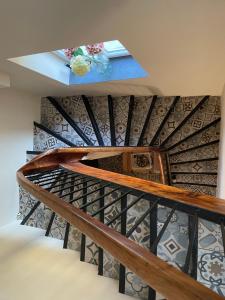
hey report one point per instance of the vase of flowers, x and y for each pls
(82, 60)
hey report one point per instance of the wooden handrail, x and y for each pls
(164, 278)
(71, 158)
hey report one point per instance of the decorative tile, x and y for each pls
(207, 113)
(40, 216)
(141, 108)
(211, 270)
(181, 110)
(209, 151)
(196, 178)
(161, 108)
(208, 135)
(100, 109)
(174, 242)
(44, 141)
(53, 120)
(210, 236)
(110, 265)
(75, 108)
(120, 108)
(135, 286)
(198, 167)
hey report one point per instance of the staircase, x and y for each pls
(170, 140)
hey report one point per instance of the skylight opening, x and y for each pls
(111, 49)
(100, 62)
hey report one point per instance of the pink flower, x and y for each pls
(69, 52)
(95, 48)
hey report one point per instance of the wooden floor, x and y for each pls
(35, 267)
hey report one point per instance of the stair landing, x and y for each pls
(36, 267)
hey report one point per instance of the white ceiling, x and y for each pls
(181, 43)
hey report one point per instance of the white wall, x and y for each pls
(17, 113)
(221, 164)
(181, 43)
(47, 64)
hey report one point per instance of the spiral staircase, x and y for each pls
(171, 141)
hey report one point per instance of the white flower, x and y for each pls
(79, 65)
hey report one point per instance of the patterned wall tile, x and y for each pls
(141, 107)
(40, 216)
(120, 108)
(196, 178)
(135, 286)
(207, 113)
(174, 242)
(110, 265)
(211, 270)
(162, 106)
(210, 151)
(91, 249)
(100, 109)
(198, 167)
(53, 120)
(74, 239)
(210, 236)
(211, 256)
(181, 110)
(206, 136)
(58, 228)
(44, 141)
(141, 235)
(75, 108)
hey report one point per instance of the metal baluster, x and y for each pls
(30, 213)
(153, 236)
(66, 236)
(141, 219)
(89, 193)
(99, 198)
(53, 214)
(75, 191)
(101, 218)
(157, 240)
(129, 120)
(68, 176)
(111, 203)
(37, 204)
(50, 224)
(123, 229)
(83, 237)
(194, 255)
(68, 187)
(192, 252)
(223, 234)
(36, 176)
(125, 209)
(49, 177)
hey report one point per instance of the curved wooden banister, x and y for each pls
(164, 278)
(70, 158)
